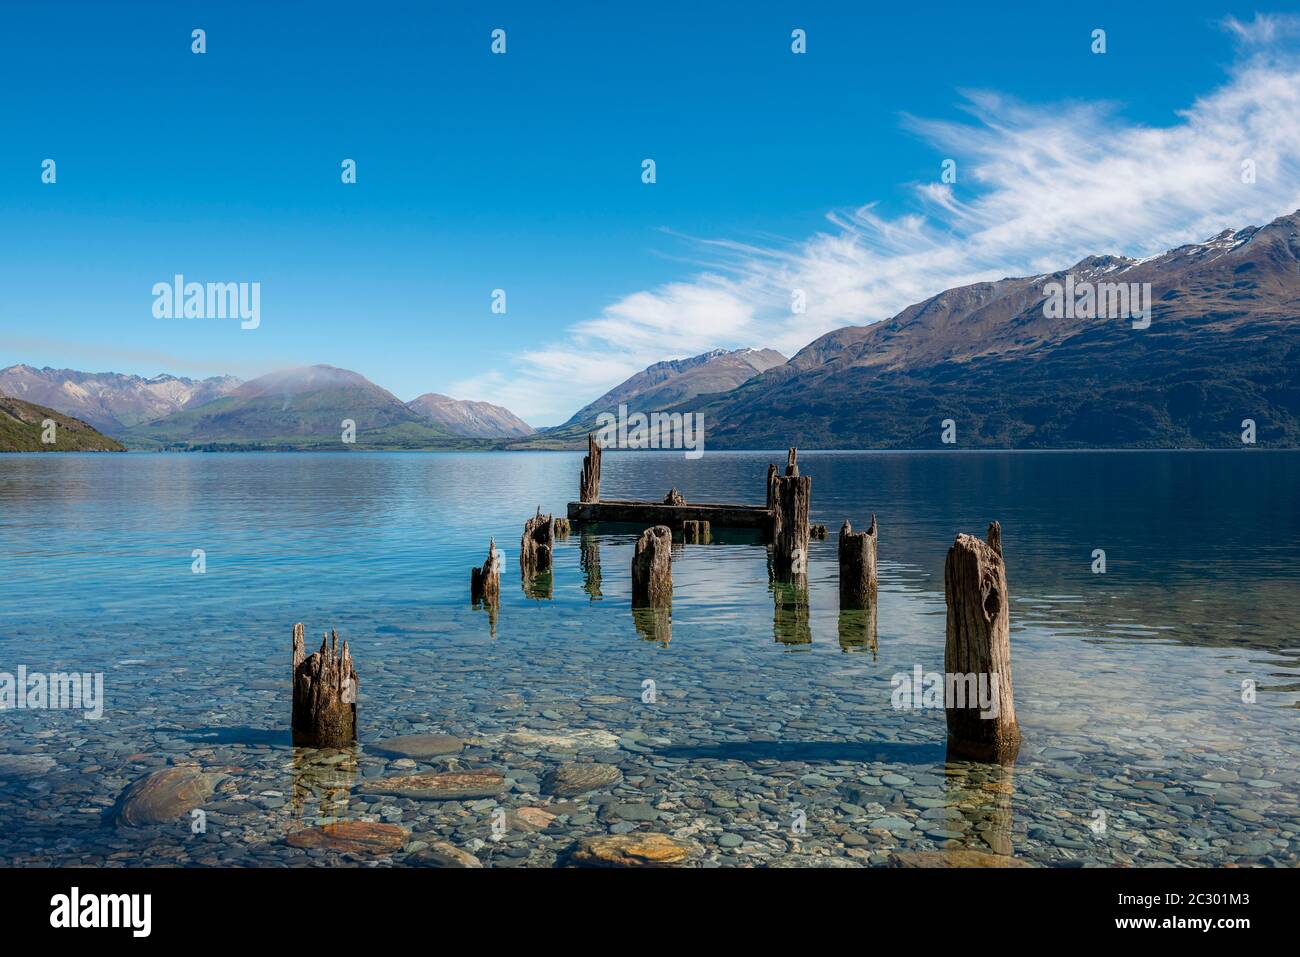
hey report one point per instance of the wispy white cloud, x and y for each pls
(1265, 29)
(1038, 188)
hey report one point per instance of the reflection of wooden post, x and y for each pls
(977, 653)
(981, 795)
(858, 629)
(696, 532)
(654, 624)
(791, 494)
(589, 559)
(857, 566)
(322, 780)
(538, 543)
(589, 486)
(485, 582)
(324, 693)
(652, 569)
(790, 621)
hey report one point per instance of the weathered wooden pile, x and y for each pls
(324, 693)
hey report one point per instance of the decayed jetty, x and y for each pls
(977, 646)
(673, 512)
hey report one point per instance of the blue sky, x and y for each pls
(522, 172)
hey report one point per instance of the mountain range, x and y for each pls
(1222, 346)
(109, 401)
(292, 408)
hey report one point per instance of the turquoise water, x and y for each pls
(1128, 684)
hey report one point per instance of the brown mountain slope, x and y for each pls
(1223, 345)
(22, 426)
(473, 419)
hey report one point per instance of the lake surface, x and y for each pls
(771, 738)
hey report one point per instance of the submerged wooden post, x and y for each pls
(771, 485)
(537, 544)
(977, 653)
(652, 569)
(324, 693)
(791, 494)
(857, 566)
(485, 582)
(589, 485)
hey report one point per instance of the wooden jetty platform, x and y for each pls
(593, 509)
(655, 513)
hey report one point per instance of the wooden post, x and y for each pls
(652, 569)
(324, 694)
(977, 653)
(562, 528)
(858, 566)
(537, 544)
(995, 537)
(674, 497)
(589, 485)
(791, 494)
(771, 485)
(791, 463)
(485, 582)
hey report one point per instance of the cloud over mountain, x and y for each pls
(1038, 184)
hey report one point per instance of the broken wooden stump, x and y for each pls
(792, 462)
(485, 585)
(562, 528)
(817, 532)
(858, 566)
(791, 494)
(674, 497)
(977, 654)
(696, 532)
(324, 694)
(771, 485)
(537, 544)
(485, 582)
(652, 569)
(589, 484)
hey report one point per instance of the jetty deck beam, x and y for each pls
(654, 513)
